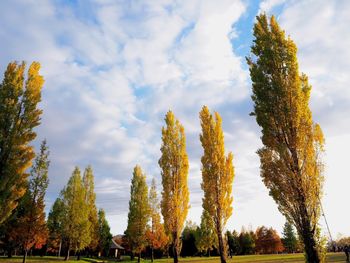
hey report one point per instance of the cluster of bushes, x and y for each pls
(246, 242)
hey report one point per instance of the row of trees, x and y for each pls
(194, 243)
(74, 221)
(144, 223)
(262, 241)
(217, 174)
(291, 158)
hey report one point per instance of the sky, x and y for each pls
(113, 69)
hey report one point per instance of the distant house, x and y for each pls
(115, 249)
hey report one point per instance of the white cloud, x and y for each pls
(113, 69)
(268, 5)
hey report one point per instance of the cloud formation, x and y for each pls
(114, 68)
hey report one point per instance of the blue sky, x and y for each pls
(114, 68)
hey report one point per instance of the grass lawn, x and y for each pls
(296, 258)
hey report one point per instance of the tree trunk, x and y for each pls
(139, 257)
(308, 236)
(312, 255)
(78, 255)
(9, 252)
(25, 256)
(67, 254)
(152, 254)
(176, 258)
(221, 245)
(176, 247)
(59, 249)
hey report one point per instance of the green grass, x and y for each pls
(295, 258)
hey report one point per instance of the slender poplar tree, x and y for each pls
(174, 169)
(139, 211)
(217, 175)
(291, 164)
(20, 94)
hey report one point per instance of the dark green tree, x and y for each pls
(246, 242)
(188, 239)
(55, 226)
(104, 233)
(289, 238)
(233, 242)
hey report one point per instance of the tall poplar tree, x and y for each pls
(217, 175)
(20, 94)
(156, 235)
(88, 180)
(76, 224)
(174, 169)
(138, 216)
(291, 165)
(32, 229)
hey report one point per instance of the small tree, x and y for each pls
(19, 115)
(55, 226)
(246, 242)
(267, 241)
(233, 242)
(104, 233)
(139, 212)
(206, 235)
(289, 238)
(188, 238)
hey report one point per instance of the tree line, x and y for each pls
(291, 162)
(217, 174)
(261, 241)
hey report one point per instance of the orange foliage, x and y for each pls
(267, 241)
